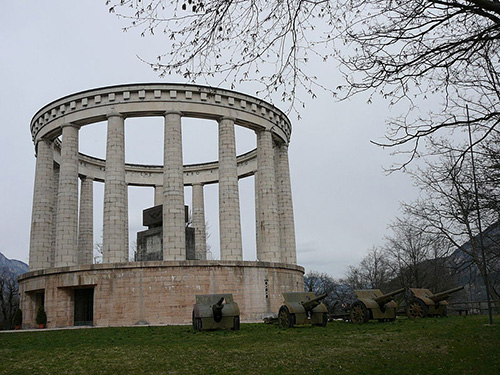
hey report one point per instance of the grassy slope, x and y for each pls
(454, 345)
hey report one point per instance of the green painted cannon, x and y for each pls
(424, 303)
(302, 308)
(215, 311)
(372, 304)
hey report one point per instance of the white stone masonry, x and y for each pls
(174, 237)
(43, 205)
(267, 218)
(86, 222)
(158, 195)
(67, 200)
(229, 203)
(199, 222)
(55, 192)
(285, 206)
(62, 224)
(115, 222)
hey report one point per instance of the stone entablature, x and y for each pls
(157, 292)
(152, 175)
(154, 99)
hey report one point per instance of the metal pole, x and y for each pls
(481, 245)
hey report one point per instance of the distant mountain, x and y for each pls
(467, 271)
(12, 266)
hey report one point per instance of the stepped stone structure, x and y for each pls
(62, 276)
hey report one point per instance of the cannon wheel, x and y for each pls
(236, 323)
(416, 309)
(285, 319)
(324, 320)
(359, 313)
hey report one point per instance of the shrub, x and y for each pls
(17, 319)
(41, 316)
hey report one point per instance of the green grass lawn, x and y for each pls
(454, 345)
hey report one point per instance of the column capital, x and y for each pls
(70, 124)
(263, 130)
(44, 139)
(84, 177)
(282, 145)
(47, 141)
(172, 113)
(114, 114)
(227, 118)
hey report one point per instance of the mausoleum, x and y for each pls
(123, 291)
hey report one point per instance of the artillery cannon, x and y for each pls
(302, 308)
(210, 312)
(372, 304)
(424, 303)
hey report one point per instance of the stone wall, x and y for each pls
(157, 292)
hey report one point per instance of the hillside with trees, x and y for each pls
(10, 269)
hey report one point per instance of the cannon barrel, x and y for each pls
(218, 305)
(217, 310)
(444, 295)
(382, 300)
(312, 303)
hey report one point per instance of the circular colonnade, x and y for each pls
(62, 276)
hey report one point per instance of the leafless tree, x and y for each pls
(339, 293)
(9, 298)
(416, 255)
(450, 208)
(373, 272)
(98, 252)
(434, 50)
(411, 256)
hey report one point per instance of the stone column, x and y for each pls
(115, 223)
(86, 222)
(158, 199)
(257, 211)
(285, 206)
(229, 203)
(267, 217)
(55, 184)
(43, 206)
(200, 239)
(174, 237)
(66, 251)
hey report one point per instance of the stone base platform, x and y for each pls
(155, 292)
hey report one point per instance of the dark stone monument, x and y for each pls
(150, 241)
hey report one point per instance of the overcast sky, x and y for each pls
(343, 201)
